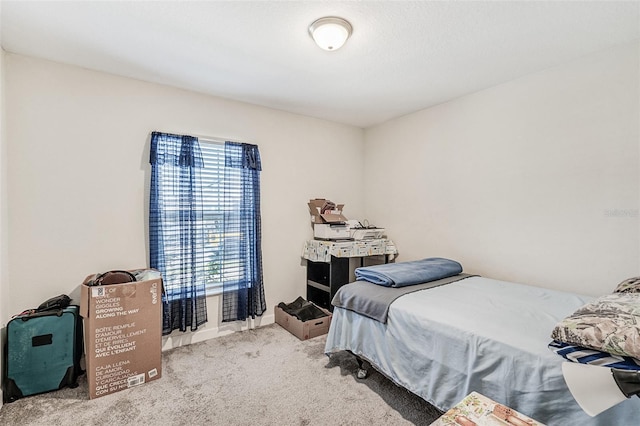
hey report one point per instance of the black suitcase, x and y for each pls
(42, 352)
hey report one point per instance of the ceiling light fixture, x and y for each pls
(330, 32)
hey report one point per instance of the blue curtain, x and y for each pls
(176, 233)
(243, 289)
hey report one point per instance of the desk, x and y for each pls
(329, 266)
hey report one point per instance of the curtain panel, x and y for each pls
(243, 288)
(176, 232)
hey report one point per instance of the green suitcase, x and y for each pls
(42, 352)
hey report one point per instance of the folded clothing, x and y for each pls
(582, 355)
(409, 273)
(302, 309)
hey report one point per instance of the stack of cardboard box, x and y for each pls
(122, 334)
(327, 220)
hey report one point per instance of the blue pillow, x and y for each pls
(402, 274)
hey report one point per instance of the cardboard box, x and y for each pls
(303, 330)
(325, 231)
(360, 248)
(477, 409)
(325, 211)
(376, 247)
(122, 334)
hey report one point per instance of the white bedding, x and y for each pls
(478, 335)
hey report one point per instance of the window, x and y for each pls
(217, 204)
(213, 268)
(204, 227)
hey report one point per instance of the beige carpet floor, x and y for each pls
(258, 377)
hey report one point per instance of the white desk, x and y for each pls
(321, 251)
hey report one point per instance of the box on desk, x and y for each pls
(122, 334)
(325, 211)
(303, 330)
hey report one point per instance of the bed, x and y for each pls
(473, 334)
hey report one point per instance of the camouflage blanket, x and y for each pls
(609, 324)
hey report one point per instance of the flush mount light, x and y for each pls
(330, 32)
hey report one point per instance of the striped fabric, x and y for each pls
(584, 355)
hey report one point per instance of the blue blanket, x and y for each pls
(409, 273)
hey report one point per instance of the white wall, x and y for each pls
(3, 208)
(533, 181)
(78, 176)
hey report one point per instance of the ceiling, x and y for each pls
(403, 56)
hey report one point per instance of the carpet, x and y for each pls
(264, 376)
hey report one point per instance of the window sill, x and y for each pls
(213, 290)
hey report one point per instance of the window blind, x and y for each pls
(219, 207)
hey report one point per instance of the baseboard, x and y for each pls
(177, 339)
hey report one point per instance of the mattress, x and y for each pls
(480, 335)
